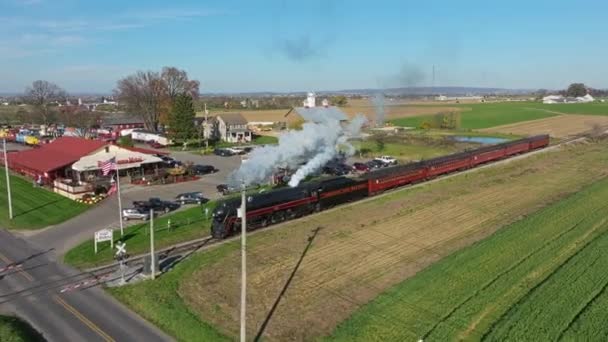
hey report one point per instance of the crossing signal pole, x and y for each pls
(243, 261)
(8, 183)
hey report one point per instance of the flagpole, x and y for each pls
(119, 201)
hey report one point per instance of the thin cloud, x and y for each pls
(120, 22)
(173, 14)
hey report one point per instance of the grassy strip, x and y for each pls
(15, 330)
(465, 295)
(159, 301)
(185, 225)
(33, 207)
(594, 108)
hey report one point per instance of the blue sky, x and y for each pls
(267, 45)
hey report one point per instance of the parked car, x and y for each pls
(191, 198)
(224, 152)
(387, 160)
(203, 169)
(225, 189)
(156, 144)
(337, 169)
(361, 167)
(376, 164)
(135, 214)
(157, 204)
(170, 162)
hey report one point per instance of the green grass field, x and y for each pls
(595, 108)
(34, 208)
(186, 225)
(404, 151)
(539, 279)
(484, 115)
(15, 330)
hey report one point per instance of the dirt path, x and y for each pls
(363, 249)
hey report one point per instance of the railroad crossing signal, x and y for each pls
(121, 249)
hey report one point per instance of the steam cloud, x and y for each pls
(314, 145)
(378, 102)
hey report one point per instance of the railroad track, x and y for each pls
(187, 248)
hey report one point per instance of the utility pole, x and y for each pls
(8, 183)
(122, 232)
(243, 260)
(207, 131)
(152, 264)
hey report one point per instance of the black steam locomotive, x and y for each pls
(285, 204)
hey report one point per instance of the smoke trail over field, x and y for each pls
(313, 146)
(378, 102)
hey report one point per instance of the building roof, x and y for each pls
(233, 118)
(52, 156)
(121, 120)
(145, 150)
(321, 114)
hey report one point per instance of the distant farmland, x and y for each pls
(486, 115)
(540, 279)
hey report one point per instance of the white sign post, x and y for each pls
(104, 235)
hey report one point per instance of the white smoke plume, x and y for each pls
(313, 146)
(378, 102)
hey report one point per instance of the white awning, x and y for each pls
(125, 159)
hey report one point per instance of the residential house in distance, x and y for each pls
(561, 99)
(231, 127)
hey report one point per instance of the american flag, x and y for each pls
(108, 166)
(112, 189)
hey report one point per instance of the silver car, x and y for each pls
(135, 214)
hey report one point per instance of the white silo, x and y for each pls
(310, 100)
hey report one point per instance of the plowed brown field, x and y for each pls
(363, 249)
(356, 107)
(556, 126)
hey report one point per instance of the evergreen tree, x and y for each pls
(181, 118)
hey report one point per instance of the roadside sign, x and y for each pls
(104, 235)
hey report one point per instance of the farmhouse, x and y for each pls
(231, 127)
(72, 166)
(561, 99)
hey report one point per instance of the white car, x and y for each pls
(386, 160)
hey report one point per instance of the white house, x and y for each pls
(232, 127)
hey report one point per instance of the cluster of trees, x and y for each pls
(152, 95)
(444, 120)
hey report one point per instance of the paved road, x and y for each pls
(32, 291)
(81, 228)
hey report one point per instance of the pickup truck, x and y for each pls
(387, 160)
(157, 204)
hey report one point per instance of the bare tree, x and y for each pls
(41, 94)
(74, 116)
(178, 83)
(143, 94)
(151, 94)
